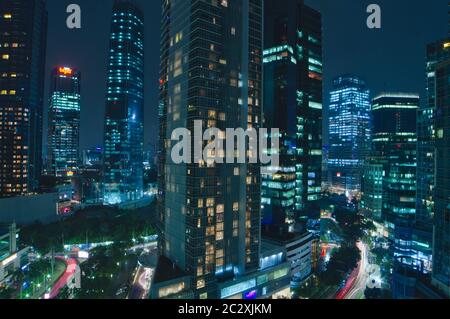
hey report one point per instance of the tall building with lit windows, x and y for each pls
(123, 136)
(426, 156)
(64, 122)
(23, 32)
(211, 72)
(349, 133)
(293, 103)
(372, 188)
(395, 141)
(441, 240)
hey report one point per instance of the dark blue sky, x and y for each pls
(392, 58)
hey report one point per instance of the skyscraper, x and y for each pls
(64, 122)
(395, 140)
(349, 133)
(23, 32)
(211, 71)
(123, 157)
(426, 137)
(441, 243)
(426, 159)
(293, 104)
(372, 188)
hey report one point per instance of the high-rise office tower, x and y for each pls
(23, 32)
(293, 104)
(211, 71)
(441, 243)
(395, 141)
(436, 53)
(64, 122)
(123, 149)
(349, 133)
(372, 188)
(426, 159)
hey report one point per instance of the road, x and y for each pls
(360, 284)
(356, 283)
(67, 276)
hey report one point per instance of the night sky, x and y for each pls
(389, 59)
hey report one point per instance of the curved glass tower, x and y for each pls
(123, 168)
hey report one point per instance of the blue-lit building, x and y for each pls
(372, 188)
(23, 38)
(349, 134)
(64, 122)
(123, 137)
(395, 141)
(293, 104)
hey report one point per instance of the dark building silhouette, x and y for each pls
(293, 80)
(441, 243)
(23, 32)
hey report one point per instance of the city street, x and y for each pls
(356, 283)
(62, 282)
(358, 288)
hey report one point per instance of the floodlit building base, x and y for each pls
(271, 280)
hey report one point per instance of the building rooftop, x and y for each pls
(166, 270)
(285, 238)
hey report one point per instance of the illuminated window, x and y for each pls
(5, 56)
(210, 202)
(201, 284)
(7, 16)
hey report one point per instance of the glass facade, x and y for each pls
(211, 71)
(23, 32)
(441, 253)
(395, 140)
(372, 189)
(349, 134)
(64, 122)
(123, 149)
(293, 103)
(426, 159)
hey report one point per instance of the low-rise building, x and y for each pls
(11, 257)
(272, 280)
(299, 247)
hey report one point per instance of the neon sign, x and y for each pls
(65, 70)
